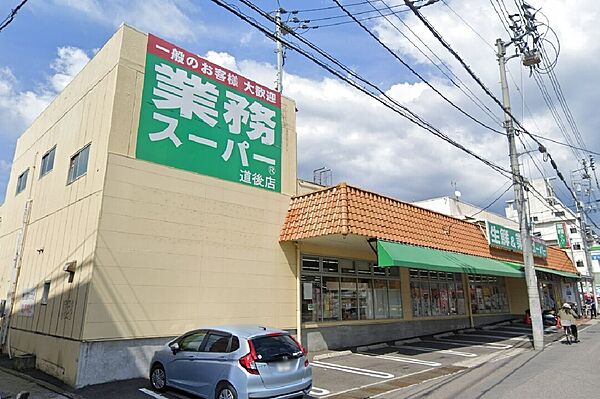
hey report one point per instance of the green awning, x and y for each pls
(519, 266)
(402, 255)
(558, 272)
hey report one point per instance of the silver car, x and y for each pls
(234, 362)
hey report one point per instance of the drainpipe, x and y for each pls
(298, 294)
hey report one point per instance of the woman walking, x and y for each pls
(567, 319)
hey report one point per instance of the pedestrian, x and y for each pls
(593, 307)
(567, 319)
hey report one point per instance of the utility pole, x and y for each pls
(526, 242)
(279, 51)
(581, 218)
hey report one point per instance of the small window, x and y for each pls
(573, 230)
(79, 164)
(47, 162)
(216, 343)
(576, 247)
(22, 181)
(580, 263)
(45, 293)
(535, 218)
(235, 344)
(558, 214)
(192, 342)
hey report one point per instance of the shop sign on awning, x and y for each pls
(503, 237)
(403, 255)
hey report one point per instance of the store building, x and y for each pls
(440, 273)
(158, 193)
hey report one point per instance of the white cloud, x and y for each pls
(18, 108)
(70, 61)
(167, 18)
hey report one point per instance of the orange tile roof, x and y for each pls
(345, 209)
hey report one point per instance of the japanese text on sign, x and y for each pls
(207, 119)
(503, 237)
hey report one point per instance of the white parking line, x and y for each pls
(353, 370)
(501, 337)
(319, 391)
(152, 393)
(402, 359)
(506, 332)
(479, 344)
(377, 383)
(445, 351)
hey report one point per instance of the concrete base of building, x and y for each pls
(105, 361)
(353, 335)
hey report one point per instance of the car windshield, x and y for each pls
(276, 347)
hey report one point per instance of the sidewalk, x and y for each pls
(12, 384)
(559, 370)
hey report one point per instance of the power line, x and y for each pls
(485, 89)
(494, 201)
(483, 40)
(412, 70)
(12, 15)
(399, 109)
(471, 96)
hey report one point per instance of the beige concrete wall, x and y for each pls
(176, 249)
(64, 217)
(517, 295)
(51, 353)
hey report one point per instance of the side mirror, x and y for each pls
(174, 347)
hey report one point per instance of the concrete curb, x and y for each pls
(407, 341)
(330, 355)
(466, 330)
(372, 347)
(43, 384)
(436, 336)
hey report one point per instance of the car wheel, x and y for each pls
(225, 391)
(158, 378)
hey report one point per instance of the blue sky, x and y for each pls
(364, 144)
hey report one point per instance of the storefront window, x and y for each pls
(436, 293)
(311, 298)
(380, 298)
(344, 289)
(331, 298)
(330, 266)
(488, 294)
(395, 298)
(349, 299)
(365, 299)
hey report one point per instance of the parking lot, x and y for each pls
(379, 370)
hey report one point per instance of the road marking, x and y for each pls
(501, 337)
(445, 351)
(319, 391)
(377, 383)
(402, 359)
(353, 370)
(152, 393)
(489, 345)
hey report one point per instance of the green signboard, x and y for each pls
(204, 118)
(503, 237)
(561, 235)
